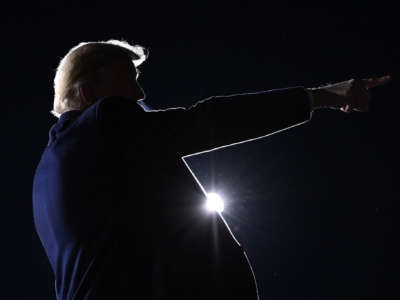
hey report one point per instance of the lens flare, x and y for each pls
(214, 203)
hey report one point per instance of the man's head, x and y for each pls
(94, 70)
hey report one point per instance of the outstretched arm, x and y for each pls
(225, 120)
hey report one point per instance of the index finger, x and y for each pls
(373, 82)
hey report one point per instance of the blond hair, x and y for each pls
(82, 64)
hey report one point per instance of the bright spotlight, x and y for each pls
(214, 202)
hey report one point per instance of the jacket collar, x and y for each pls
(61, 123)
(72, 114)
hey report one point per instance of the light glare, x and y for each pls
(214, 202)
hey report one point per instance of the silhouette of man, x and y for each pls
(117, 211)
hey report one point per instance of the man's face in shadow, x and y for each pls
(117, 79)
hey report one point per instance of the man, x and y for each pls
(115, 207)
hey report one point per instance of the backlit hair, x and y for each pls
(82, 64)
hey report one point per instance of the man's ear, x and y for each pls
(86, 95)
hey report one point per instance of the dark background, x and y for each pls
(313, 205)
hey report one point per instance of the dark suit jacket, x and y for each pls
(120, 215)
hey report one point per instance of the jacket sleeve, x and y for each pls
(213, 122)
(225, 120)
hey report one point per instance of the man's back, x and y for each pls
(119, 222)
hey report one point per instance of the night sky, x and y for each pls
(315, 205)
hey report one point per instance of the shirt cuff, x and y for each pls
(311, 98)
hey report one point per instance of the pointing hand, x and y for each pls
(348, 96)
